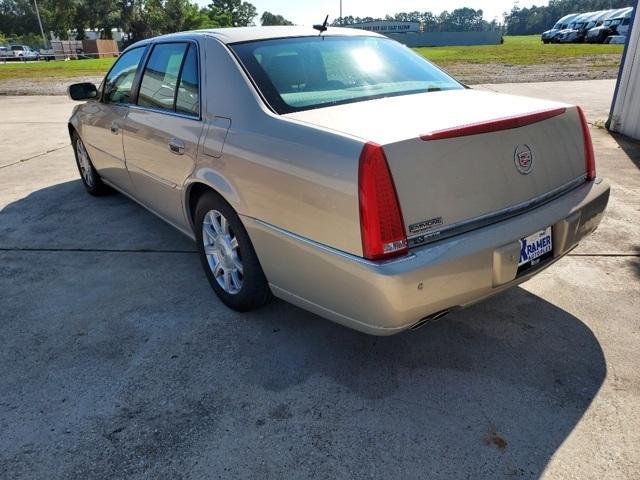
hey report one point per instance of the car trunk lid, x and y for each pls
(462, 159)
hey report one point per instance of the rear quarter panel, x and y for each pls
(285, 173)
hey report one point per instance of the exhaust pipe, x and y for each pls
(430, 319)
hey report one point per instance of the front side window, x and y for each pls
(119, 80)
(160, 77)
(311, 72)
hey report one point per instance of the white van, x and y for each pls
(580, 27)
(608, 28)
(625, 25)
(561, 24)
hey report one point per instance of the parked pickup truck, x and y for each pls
(24, 53)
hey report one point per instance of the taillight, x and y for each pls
(381, 223)
(590, 157)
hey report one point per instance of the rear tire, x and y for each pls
(227, 255)
(92, 182)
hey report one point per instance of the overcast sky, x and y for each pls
(308, 12)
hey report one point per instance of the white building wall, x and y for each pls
(625, 115)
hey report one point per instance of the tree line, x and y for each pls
(528, 21)
(459, 20)
(138, 19)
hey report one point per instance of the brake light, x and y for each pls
(381, 223)
(491, 126)
(590, 157)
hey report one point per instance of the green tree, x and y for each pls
(269, 18)
(17, 17)
(242, 13)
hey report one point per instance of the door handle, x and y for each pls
(176, 146)
(115, 128)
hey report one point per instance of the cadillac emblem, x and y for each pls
(523, 159)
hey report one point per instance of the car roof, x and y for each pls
(566, 18)
(249, 34)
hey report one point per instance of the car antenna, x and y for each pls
(322, 28)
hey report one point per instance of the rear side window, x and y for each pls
(187, 100)
(119, 80)
(160, 77)
(170, 79)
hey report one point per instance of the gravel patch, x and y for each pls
(42, 86)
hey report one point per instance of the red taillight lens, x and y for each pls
(383, 234)
(590, 159)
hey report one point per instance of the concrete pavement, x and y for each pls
(116, 360)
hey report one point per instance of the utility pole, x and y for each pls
(340, 12)
(44, 38)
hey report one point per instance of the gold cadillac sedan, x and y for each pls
(338, 170)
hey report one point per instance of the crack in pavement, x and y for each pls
(603, 255)
(92, 250)
(149, 250)
(32, 123)
(34, 156)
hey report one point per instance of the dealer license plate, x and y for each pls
(535, 248)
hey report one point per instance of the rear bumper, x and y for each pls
(383, 298)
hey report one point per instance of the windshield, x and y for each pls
(303, 73)
(578, 26)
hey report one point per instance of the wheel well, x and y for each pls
(71, 130)
(195, 192)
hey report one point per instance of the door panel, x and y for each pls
(102, 120)
(162, 131)
(159, 171)
(102, 134)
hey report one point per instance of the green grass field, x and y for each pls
(525, 50)
(57, 69)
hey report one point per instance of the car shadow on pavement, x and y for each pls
(489, 391)
(124, 364)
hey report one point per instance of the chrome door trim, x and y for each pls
(166, 112)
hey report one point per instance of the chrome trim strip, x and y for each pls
(334, 251)
(166, 112)
(137, 169)
(494, 217)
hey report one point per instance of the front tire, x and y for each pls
(88, 174)
(227, 255)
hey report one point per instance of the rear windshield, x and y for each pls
(296, 74)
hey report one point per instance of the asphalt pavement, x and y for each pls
(117, 361)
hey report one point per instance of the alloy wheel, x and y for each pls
(86, 170)
(222, 252)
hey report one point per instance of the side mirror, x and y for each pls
(82, 91)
